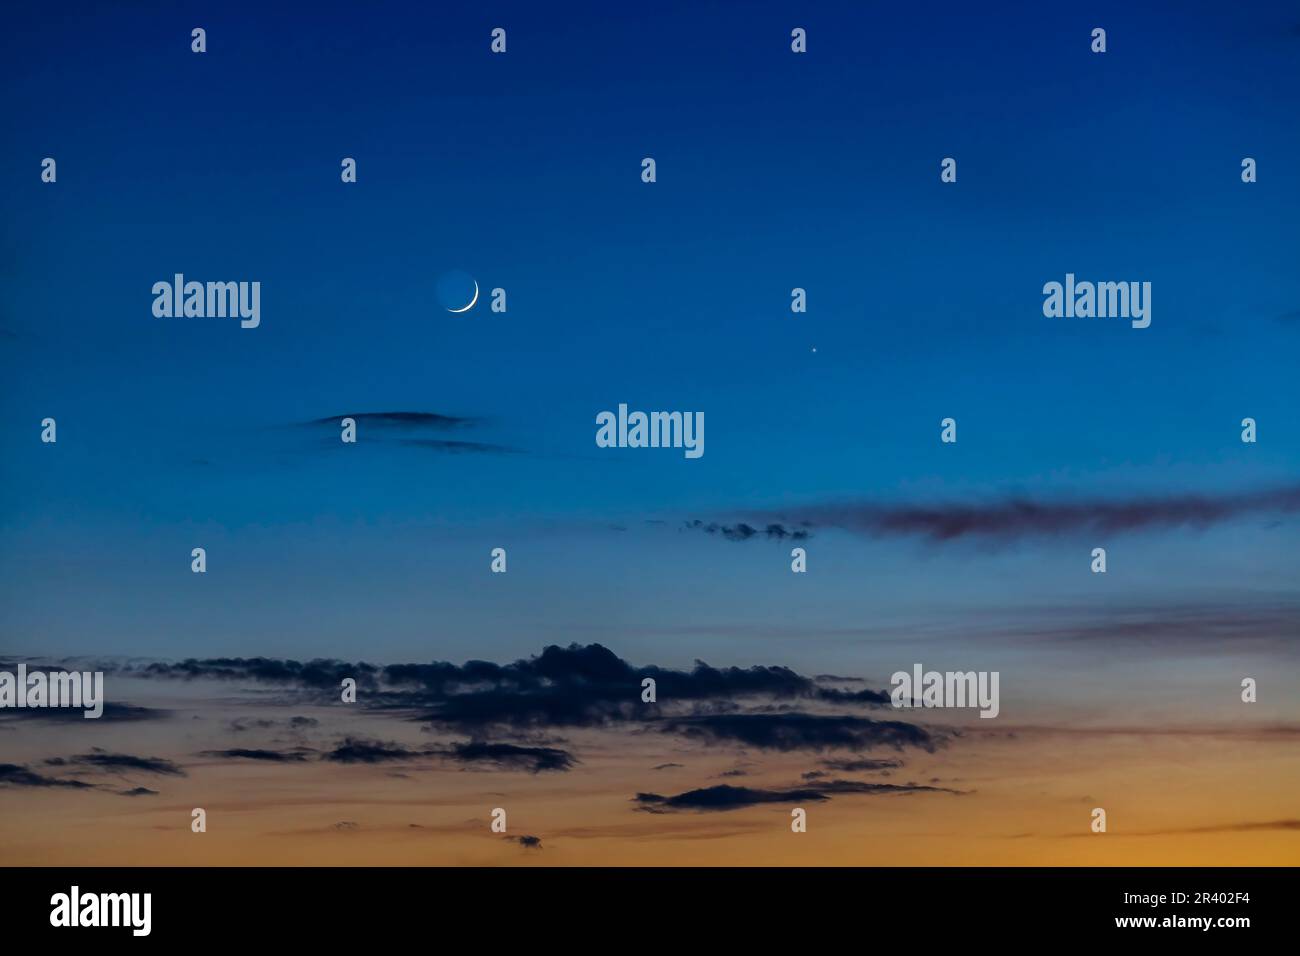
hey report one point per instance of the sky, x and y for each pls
(774, 170)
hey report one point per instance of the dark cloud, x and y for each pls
(725, 797)
(357, 750)
(102, 760)
(859, 786)
(1246, 826)
(1277, 733)
(802, 731)
(539, 687)
(853, 696)
(1019, 517)
(139, 792)
(857, 765)
(1259, 826)
(317, 674)
(591, 686)
(113, 713)
(270, 756)
(667, 766)
(13, 775)
(575, 686)
(406, 420)
(1195, 626)
(528, 842)
(411, 430)
(241, 724)
(743, 532)
(511, 757)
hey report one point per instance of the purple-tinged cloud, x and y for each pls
(1019, 517)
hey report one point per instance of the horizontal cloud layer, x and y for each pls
(507, 712)
(573, 686)
(402, 420)
(725, 797)
(801, 731)
(1017, 517)
(102, 760)
(14, 775)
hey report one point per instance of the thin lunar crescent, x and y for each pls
(471, 301)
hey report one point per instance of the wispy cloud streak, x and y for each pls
(1018, 517)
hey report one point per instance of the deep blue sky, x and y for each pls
(774, 171)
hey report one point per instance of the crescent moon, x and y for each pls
(471, 301)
